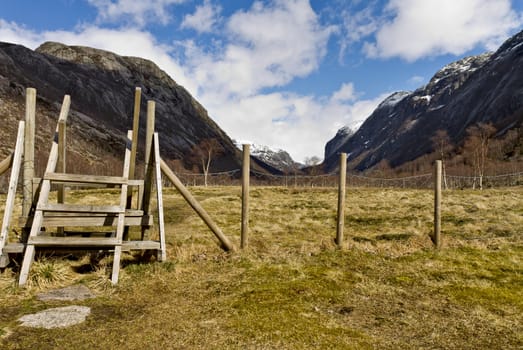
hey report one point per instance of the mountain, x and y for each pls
(487, 88)
(276, 158)
(102, 85)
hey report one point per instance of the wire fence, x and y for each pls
(233, 178)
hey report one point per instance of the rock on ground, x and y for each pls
(57, 317)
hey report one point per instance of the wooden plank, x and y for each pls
(17, 248)
(121, 217)
(6, 164)
(49, 241)
(91, 220)
(141, 245)
(159, 193)
(89, 179)
(225, 242)
(74, 208)
(11, 194)
(29, 150)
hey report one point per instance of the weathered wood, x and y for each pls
(121, 217)
(341, 199)
(136, 126)
(77, 208)
(246, 173)
(88, 179)
(17, 248)
(50, 241)
(6, 164)
(148, 176)
(88, 220)
(29, 150)
(11, 194)
(61, 164)
(159, 196)
(436, 238)
(226, 244)
(42, 200)
(141, 245)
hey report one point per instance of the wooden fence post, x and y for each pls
(136, 125)
(29, 150)
(437, 205)
(341, 199)
(245, 195)
(61, 165)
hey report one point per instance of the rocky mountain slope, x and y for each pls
(487, 88)
(101, 85)
(276, 158)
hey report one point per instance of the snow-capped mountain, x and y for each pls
(485, 88)
(276, 158)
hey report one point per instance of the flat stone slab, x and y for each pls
(77, 292)
(56, 317)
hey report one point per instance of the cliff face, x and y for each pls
(101, 85)
(486, 88)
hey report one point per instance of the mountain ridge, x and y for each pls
(485, 88)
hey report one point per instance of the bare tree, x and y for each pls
(204, 152)
(477, 148)
(442, 146)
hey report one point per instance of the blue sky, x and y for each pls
(283, 73)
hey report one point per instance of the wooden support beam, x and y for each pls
(162, 256)
(136, 126)
(225, 242)
(61, 164)
(90, 179)
(11, 194)
(29, 150)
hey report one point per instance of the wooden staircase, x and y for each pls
(63, 215)
(49, 225)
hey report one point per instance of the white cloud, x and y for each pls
(434, 27)
(134, 12)
(345, 93)
(11, 32)
(266, 46)
(299, 124)
(204, 18)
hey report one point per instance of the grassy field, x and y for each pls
(292, 288)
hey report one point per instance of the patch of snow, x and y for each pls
(394, 99)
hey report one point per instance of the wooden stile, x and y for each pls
(162, 256)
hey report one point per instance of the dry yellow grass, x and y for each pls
(292, 288)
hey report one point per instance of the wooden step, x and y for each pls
(49, 241)
(74, 208)
(87, 179)
(57, 219)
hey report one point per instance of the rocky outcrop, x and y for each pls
(486, 88)
(101, 85)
